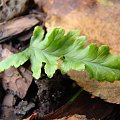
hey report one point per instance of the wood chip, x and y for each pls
(17, 26)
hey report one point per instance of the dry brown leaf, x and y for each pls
(8, 100)
(105, 90)
(97, 19)
(16, 80)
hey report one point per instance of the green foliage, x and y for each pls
(70, 48)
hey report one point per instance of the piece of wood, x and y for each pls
(12, 8)
(98, 20)
(17, 26)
